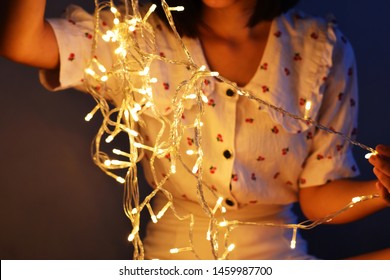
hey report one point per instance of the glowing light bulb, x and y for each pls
(174, 251)
(106, 38)
(293, 242)
(367, 156)
(104, 78)
(144, 72)
(133, 233)
(231, 247)
(107, 162)
(109, 139)
(89, 71)
(308, 106)
(218, 204)
(191, 96)
(137, 145)
(150, 11)
(133, 113)
(116, 21)
(208, 235)
(176, 9)
(165, 208)
(120, 180)
(132, 132)
(113, 10)
(195, 168)
(88, 117)
(102, 68)
(223, 224)
(307, 109)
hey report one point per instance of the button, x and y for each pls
(230, 92)
(227, 154)
(229, 202)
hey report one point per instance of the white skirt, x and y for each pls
(251, 242)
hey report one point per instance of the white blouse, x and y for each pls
(252, 153)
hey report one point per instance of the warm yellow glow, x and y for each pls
(293, 244)
(231, 247)
(109, 139)
(223, 224)
(120, 180)
(114, 10)
(164, 210)
(133, 233)
(308, 106)
(177, 9)
(174, 251)
(89, 71)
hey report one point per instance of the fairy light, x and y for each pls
(177, 9)
(180, 250)
(307, 109)
(90, 115)
(369, 155)
(127, 117)
(218, 204)
(163, 210)
(133, 234)
(293, 242)
(223, 224)
(120, 180)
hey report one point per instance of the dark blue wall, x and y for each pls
(56, 204)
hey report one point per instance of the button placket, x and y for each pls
(227, 154)
(230, 92)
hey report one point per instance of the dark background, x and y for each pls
(56, 204)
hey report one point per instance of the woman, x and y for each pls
(282, 56)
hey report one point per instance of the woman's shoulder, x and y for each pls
(299, 23)
(305, 29)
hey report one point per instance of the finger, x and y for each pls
(380, 163)
(383, 150)
(383, 192)
(383, 178)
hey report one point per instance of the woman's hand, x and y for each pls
(381, 163)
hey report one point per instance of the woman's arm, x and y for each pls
(25, 36)
(317, 202)
(320, 201)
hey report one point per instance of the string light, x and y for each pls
(135, 51)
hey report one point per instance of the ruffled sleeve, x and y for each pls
(331, 156)
(74, 33)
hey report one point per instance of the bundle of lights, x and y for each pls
(133, 40)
